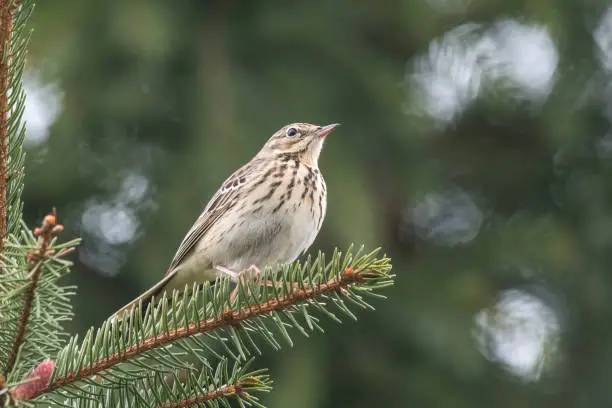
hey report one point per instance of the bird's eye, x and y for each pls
(291, 132)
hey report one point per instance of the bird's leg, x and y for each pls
(256, 273)
(252, 272)
(233, 274)
(236, 278)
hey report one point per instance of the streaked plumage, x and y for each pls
(268, 212)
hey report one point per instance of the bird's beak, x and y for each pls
(326, 130)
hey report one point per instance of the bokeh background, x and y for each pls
(476, 149)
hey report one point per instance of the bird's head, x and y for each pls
(301, 139)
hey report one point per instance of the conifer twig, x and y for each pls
(229, 390)
(7, 8)
(229, 318)
(46, 232)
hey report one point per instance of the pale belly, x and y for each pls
(268, 240)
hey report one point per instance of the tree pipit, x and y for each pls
(268, 212)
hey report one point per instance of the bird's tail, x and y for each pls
(126, 310)
(144, 300)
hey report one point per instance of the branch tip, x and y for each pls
(221, 392)
(46, 233)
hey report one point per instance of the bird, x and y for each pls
(268, 212)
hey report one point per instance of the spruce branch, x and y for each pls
(230, 390)
(239, 385)
(212, 387)
(227, 319)
(32, 305)
(14, 39)
(23, 319)
(7, 9)
(198, 323)
(46, 233)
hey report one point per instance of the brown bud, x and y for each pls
(349, 272)
(49, 220)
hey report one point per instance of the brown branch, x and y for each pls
(46, 233)
(24, 319)
(229, 318)
(7, 9)
(225, 391)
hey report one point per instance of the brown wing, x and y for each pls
(218, 205)
(216, 208)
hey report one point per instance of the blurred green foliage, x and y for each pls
(476, 148)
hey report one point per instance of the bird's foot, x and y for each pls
(255, 272)
(252, 272)
(240, 277)
(232, 274)
(236, 277)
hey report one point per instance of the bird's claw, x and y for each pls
(252, 272)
